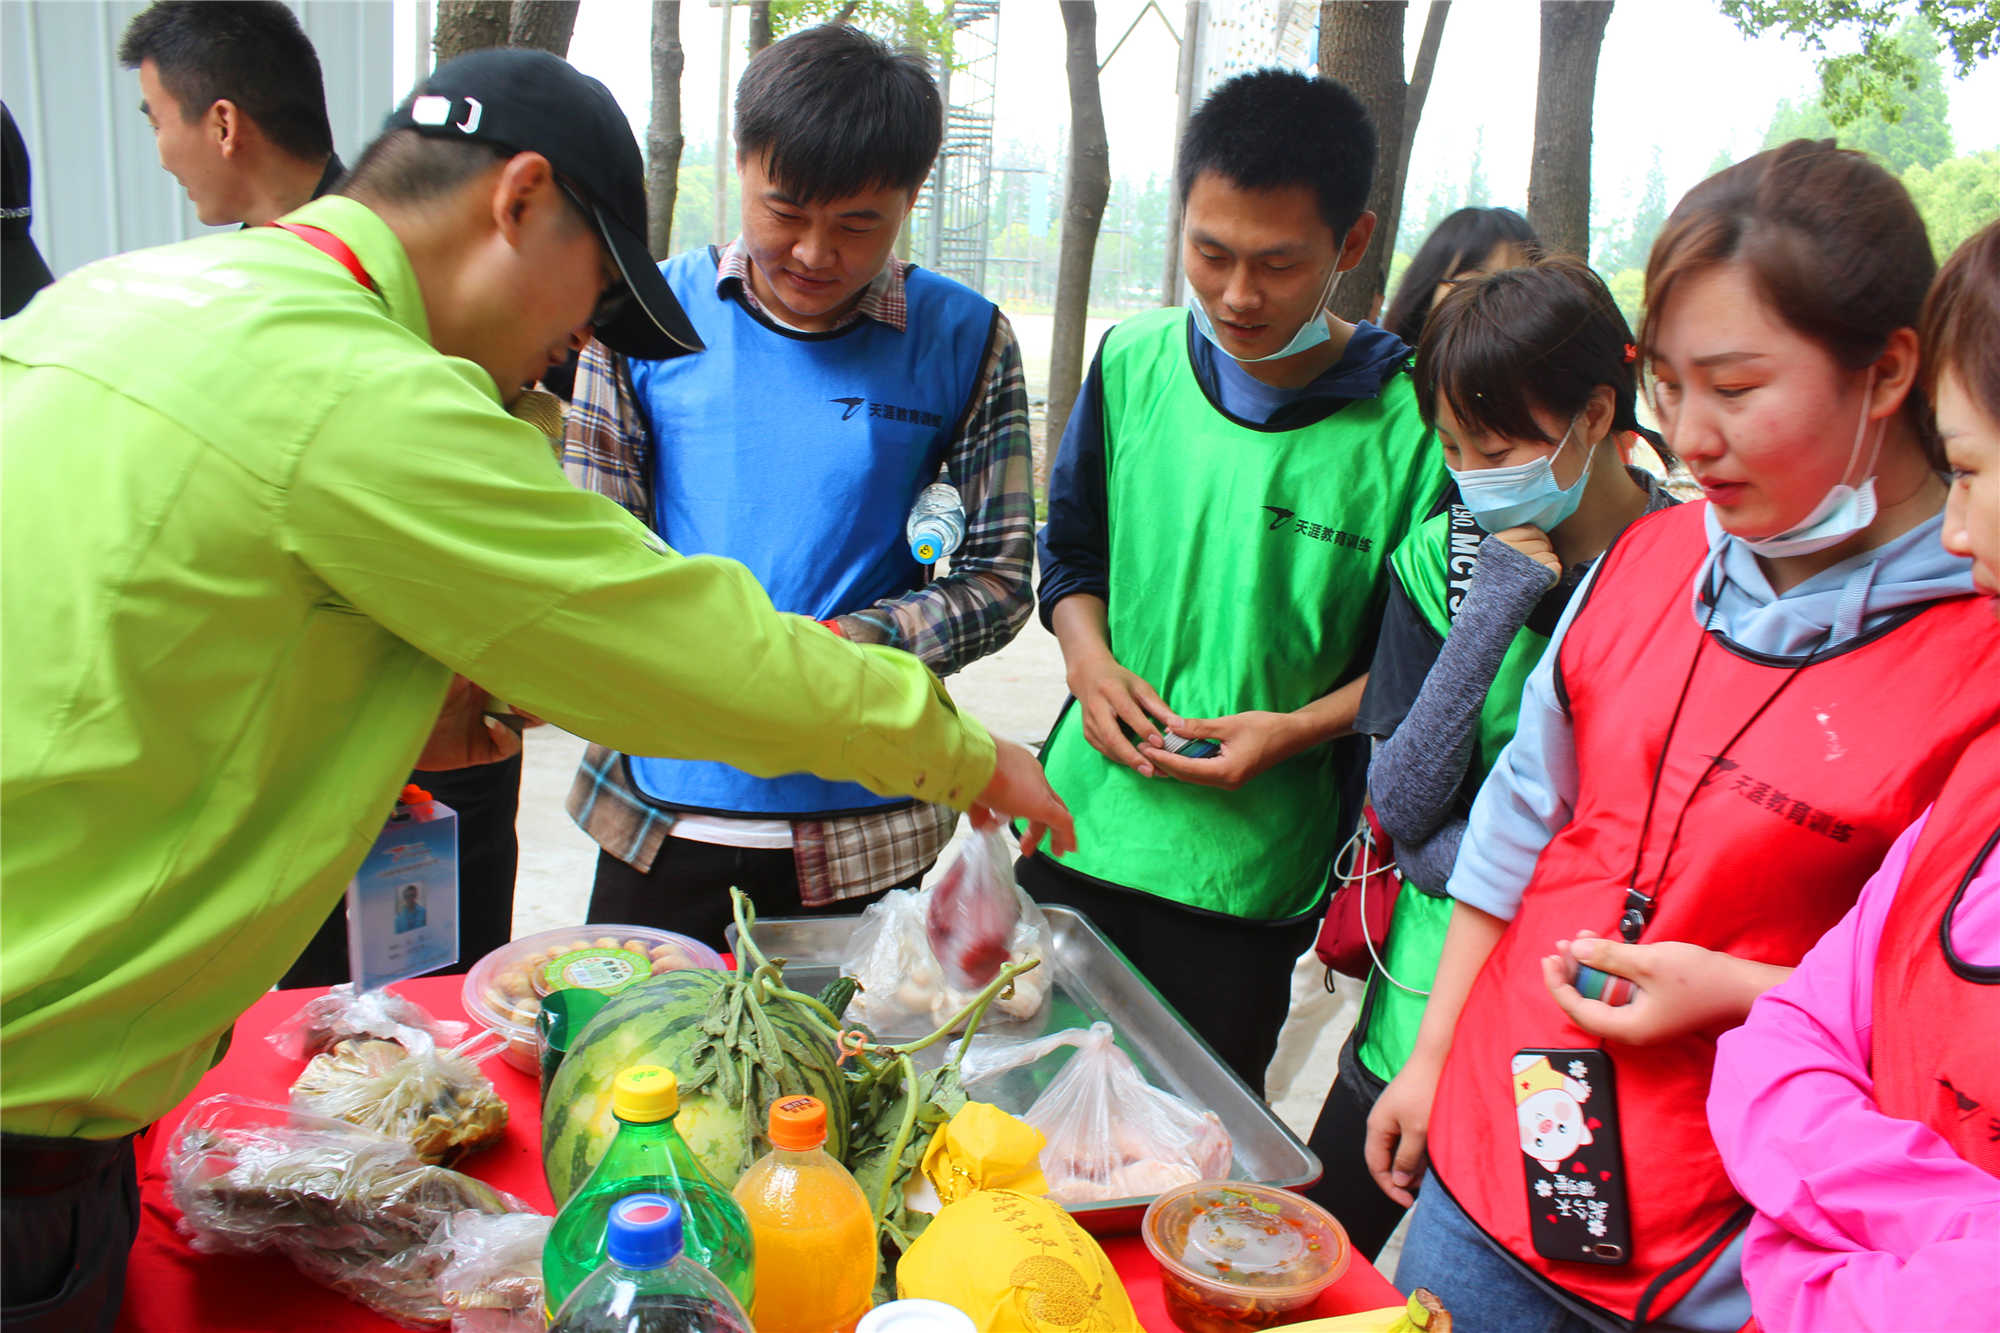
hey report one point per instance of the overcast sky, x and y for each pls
(1673, 73)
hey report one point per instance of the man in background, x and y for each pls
(232, 90)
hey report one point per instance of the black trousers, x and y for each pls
(1339, 1139)
(687, 890)
(69, 1212)
(486, 798)
(1230, 979)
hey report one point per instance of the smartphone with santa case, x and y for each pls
(1566, 1107)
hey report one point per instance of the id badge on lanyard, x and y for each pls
(402, 904)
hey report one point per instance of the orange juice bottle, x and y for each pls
(814, 1231)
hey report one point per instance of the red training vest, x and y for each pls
(1775, 847)
(1932, 1050)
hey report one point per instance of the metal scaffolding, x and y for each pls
(957, 199)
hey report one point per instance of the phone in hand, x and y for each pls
(1573, 1163)
(1191, 747)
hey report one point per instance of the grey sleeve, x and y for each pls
(1430, 860)
(1416, 773)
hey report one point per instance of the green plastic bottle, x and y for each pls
(648, 1156)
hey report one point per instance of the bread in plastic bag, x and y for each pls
(492, 1277)
(905, 991)
(340, 1014)
(351, 1209)
(436, 1101)
(1111, 1134)
(1012, 1261)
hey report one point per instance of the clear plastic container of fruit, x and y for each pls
(1234, 1255)
(504, 990)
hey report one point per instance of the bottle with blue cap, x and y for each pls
(647, 1285)
(937, 523)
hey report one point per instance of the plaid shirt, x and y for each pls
(958, 618)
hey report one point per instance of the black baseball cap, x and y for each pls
(530, 101)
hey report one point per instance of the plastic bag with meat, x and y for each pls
(972, 911)
(1111, 1134)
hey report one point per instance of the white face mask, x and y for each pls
(1310, 335)
(1842, 511)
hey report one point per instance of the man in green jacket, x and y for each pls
(264, 514)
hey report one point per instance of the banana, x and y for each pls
(1422, 1313)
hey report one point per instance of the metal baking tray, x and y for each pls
(1093, 981)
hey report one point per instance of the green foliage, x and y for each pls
(1625, 241)
(1628, 289)
(1886, 69)
(922, 26)
(1917, 134)
(1956, 198)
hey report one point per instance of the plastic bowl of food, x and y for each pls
(1234, 1255)
(504, 990)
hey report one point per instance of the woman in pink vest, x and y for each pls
(1746, 706)
(1859, 1106)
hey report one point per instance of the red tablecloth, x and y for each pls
(171, 1288)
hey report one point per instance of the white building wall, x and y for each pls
(98, 185)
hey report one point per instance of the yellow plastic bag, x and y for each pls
(1014, 1262)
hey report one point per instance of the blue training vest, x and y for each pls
(800, 454)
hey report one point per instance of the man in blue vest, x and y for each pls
(838, 382)
(1221, 513)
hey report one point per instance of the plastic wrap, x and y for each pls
(1111, 1134)
(492, 1276)
(436, 1101)
(349, 1208)
(904, 988)
(340, 1015)
(971, 912)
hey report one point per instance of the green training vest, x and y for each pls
(1434, 568)
(1248, 569)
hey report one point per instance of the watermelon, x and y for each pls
(683, 1020)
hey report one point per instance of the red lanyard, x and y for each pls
(328, 244)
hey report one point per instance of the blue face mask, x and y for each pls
(1310, 335)
(1524, 495)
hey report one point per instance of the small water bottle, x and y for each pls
(648, 1285)
(937, 523)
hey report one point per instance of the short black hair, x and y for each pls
(407, 167)
(1273, 128)
(839, 112)
(1460, 242)
(250, 52)
(1545, 335)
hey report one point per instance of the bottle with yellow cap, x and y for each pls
(648, 1156)
(815, 1232)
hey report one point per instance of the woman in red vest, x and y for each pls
(1859, 1106)
(1751, 700)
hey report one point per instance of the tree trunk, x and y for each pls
(1565, 88)
(1413, 104)
(760, 25)
(543, 24)
(469, 25)
(663, 131)
(1170, 280)
(1361, 46)
(1084, 196)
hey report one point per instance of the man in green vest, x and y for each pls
(260, 500)
(1221, 512)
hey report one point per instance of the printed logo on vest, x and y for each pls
(1784, 805)
(889, 412)
(1318, 532)
(1964, 1107)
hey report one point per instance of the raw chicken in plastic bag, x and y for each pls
(348, 1207)
(1111, 1134)
(340, 1014)
(972, 910)
(492, 1280)
(436, 1101)
(905, 989)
